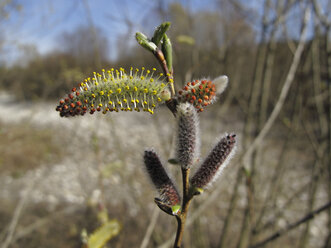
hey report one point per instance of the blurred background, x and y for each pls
(61, 179)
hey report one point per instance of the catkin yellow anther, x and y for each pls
(114, 91)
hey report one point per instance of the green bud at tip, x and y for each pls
(144, 42)
(167, 51)
(159, 32)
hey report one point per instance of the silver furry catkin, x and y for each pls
(160, 178)
(188, 135)
(215, 162)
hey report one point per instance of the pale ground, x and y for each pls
(74, 179)
(121, 139)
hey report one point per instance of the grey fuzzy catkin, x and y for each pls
(168, 192)
(187, 135)
(215, 162)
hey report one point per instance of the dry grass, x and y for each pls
(24, 147)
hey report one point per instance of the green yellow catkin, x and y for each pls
(115, 90)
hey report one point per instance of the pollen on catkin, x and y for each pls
(215, 162)
(200, 93)
(116, 90)
(187, 135)
(167, 190)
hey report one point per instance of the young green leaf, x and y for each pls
(167, 51)
(159, 32)
(145, 42)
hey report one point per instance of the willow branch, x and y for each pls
(181, 217)
(284, 92)
(323, 19)
(150, 228)
(291, 226)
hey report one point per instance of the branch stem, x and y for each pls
(160, 57)
(291, 226)
(181, 217)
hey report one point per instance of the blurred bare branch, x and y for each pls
(285, 89)
(322, 18)
(279, 65)
(17, 214)
(150, 227)
(291, 226)
(95, 37)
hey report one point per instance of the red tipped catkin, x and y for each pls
(192, 92)
(188, 135)
(215, 162)
(160, 178)
(205, 89)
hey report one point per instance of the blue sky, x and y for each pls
(40, 22)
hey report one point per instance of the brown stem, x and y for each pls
(172, 103)
(180, 231)
(181, 217)
(160, 57)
